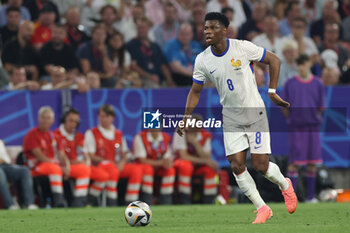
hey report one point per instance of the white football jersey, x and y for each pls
(233, 75)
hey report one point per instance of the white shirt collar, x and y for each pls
(67, 135)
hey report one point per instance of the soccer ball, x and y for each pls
(138, 213)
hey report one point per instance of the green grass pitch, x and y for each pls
(323, 217)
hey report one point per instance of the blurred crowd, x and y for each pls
(88, 44)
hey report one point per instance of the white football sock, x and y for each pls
(274, 175)
(248, 187)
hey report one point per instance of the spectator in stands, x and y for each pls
(77, 163)
(230, 13)
(4, 79)
(109, 15)
(329, 15)
(25, 15)
(57, 53)
(76, 36)
(343, 8)
(154, 10)
(309, 11)
(292, 11)
(93, 80)
(19, 52)
(169, 28)
(95, 56)
(39, 148)
(270, 39)
(36, 6)
(278, 9)
(305, 44)
(181, 53)
(63, 6)
(254, 26)
(127, 25)
(43, 27)
(289, 66)
(129, 79)
(18, 80)
(306, 96)
(147, 57)
(152, 150)
(330, 70)
(91, 10)
(194, 157)
(236, 5)
(58, 76)
(10, 30)
(198, 15)
(331, 41)
(120, 56)
(15, 173)
(330, 76)
(108, 151)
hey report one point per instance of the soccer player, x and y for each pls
(76, 165)
(107, 149)
(152, 149)
(40, 147)
(194, 157)
(305, 92)
(228, 64)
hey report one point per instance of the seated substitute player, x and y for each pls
(194, 157)
(40, 146)
(108, 150)
(152, 149)
(305, 93)
(76, 165)
(227, 63)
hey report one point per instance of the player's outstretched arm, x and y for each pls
(192, 101)
(274, 68)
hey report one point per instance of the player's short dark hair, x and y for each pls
(108, 109)
(302, 59)
(227, 9)
(219, 17)
(12, 9)
(290, 7)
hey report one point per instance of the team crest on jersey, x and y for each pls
(236, 63)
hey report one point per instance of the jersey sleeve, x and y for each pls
(199, 74)
(253, 52)
(89, 142)
(139, 148)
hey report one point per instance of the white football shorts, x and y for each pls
(256, 137)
